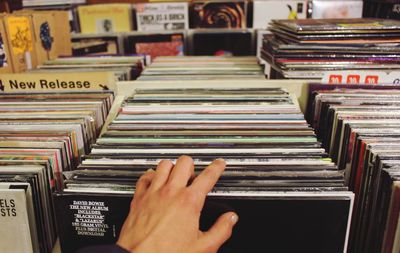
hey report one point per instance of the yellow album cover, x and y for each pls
(20, 34)
(103, 18)
(20, 40)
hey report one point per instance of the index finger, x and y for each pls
(206, 180)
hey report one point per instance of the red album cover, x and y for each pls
(154, 49)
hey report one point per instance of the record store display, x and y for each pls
(305, 49)
(288, 194)
(203, 68)
(94, 93)
(360, 128)
(42, 135)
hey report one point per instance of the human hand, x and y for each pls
(165, 212)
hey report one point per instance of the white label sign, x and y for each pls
(162, 16)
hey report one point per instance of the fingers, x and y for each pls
(206, 180)
(179, 175)
(182, 172)
(162, 174)
(144, 182)
(220, 231)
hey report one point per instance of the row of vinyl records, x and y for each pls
(360, 128)
(181, 15)
(127, 68)
(124, 68)
(240, 42)
(279, 179)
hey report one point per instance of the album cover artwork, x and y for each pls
(162, 16)
(156, 44)
(218, 15)
(315, 222)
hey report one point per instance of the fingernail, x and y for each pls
(150, 170)
(220, 160)
(234, 218)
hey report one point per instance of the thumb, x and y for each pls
(220, 231)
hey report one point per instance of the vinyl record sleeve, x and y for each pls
(340, 25)
(265, 11)
(218, 14)
(44, 207)
(156, 44)
(112, 211)
(392, 221)
(29, 209)
(15, 221)
(162, 16)
(327, 9)
(226, 43)
(95, 46)
(102, 18)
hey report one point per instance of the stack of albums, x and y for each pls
(305, 49)
(360, 128)
(42, 135)
(124, 67)
(203, 68)
(289, 196)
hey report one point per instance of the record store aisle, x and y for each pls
(278, 178)
(287, 190)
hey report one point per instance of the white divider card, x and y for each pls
(265, 11)
(80, 81)
(362, 77)
(337, 9)
(162, 16)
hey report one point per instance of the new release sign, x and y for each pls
(35, 82)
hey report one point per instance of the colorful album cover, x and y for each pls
(20, 33)
(156, 44)
(218, 15)
(104, 18)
